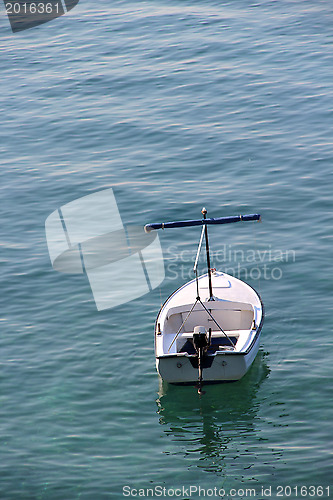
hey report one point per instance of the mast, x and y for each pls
(204, 213)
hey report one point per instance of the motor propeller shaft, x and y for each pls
(201, 343)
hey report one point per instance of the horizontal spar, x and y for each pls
(201, 222)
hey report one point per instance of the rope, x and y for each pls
(181, 326)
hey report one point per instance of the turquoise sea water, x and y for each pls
(175, 105)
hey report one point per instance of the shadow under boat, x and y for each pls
(207, 425)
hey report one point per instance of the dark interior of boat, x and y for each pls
(217, 344)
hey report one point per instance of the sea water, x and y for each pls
(175, 106)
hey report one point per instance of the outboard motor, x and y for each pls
(201, 343)
(200, 340)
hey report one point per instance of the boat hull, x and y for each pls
(224, 367)
(176, 361)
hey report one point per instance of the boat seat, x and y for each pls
(229, 315)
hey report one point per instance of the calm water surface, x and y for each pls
(176, 106)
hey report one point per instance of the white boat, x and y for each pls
(208, 330)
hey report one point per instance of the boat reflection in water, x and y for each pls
(215, 425)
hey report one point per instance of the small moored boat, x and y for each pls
(208, 330)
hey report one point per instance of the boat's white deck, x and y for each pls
(225, 287)
(237, 311)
